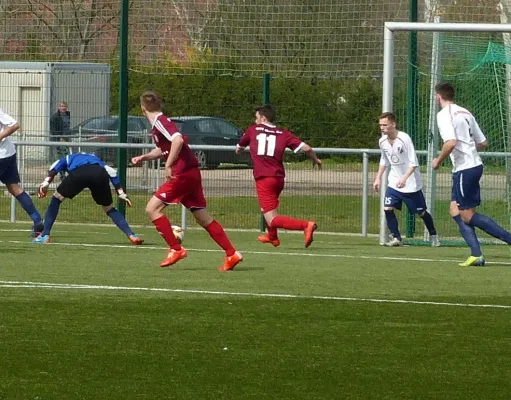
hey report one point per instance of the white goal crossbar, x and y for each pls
(388, 78)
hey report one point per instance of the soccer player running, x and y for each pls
(267, 145)
(405, 182)
(463, 139)
(84, 171)
(9, 170)
(183, 184)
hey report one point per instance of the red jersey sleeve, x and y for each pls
(293, 142)
(245, 139)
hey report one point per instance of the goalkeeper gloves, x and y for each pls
(43, 189)
(123, 196)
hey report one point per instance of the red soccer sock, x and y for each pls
(291, 224)
(218, 234)
(272, 232)
(164, 228)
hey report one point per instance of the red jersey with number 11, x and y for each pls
(267, 146)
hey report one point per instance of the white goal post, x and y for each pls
(388, 81)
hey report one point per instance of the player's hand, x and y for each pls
(435, 164)
(401, 183)
(376, 185)
(43, 189)
(318, 163)
(123, 196)
(239, 150)
(137, 160)
(168, 174)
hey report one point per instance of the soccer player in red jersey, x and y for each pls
(267, 146)
(183, 184)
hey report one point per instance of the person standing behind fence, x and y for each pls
(9, 174)
(405, 182)
(60, 130)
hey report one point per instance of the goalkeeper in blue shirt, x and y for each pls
(84, 171)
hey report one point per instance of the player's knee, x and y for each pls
(388, 210)
(58, 196)
(422, 214)
(108, 208)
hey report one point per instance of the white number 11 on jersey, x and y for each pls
(262, 149)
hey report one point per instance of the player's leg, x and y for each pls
(393, 201)
(10, 177)
(217, 233)
(154, 211)
(416, 203)
(268, 192)
(470, 198)
(195, 201)
(49, 218)
(99, 185)
(468, 232)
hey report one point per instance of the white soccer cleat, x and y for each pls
(395, 242)
(435, 241)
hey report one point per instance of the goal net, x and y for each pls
(478, 64)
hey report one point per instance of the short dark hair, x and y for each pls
(389, 115)
(445, 90)
(151, 101)
(267, 111)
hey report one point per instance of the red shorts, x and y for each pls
(185, 188)
(268, 192)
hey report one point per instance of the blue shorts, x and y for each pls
(415, 201)
(9, 170)
(466, 190)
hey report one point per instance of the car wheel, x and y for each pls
(205, 160)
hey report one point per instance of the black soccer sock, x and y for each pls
(392, 223)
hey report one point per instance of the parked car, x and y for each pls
(199, 130)
(105, 129)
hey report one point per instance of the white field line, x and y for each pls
(270, 253)
(46, 285)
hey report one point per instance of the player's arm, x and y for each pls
(175, 149)
(10, 125)
(478, 136)
(112, 173)
(384, 163)
(446, 130)
(243, 142)
(413, 163)
(154, 154)
(311, 154)
(55, 168)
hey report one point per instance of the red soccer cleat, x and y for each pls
(309, 232)
(173, 257)
(266, 239)
(135, 240)
(231, 262)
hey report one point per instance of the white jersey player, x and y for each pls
(405, 182)
(463, 139)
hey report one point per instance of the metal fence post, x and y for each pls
(365, 194)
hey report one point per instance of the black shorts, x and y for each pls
(9, 170)
(93, 177)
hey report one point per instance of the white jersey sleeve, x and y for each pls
(477, 133)
(6, 120)
(384, 160)
(445, 126)
(413, 161)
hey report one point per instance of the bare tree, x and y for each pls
(72, 25)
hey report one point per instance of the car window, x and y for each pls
(134, 125)
(98, 124)
(227, 128)
(206, 125)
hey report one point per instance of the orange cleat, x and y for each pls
(231, 262)
(309, 232)
(135, 240)
(266, 239)
(173, 257)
